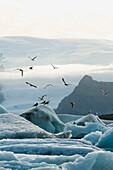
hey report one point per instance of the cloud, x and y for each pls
(47, 71)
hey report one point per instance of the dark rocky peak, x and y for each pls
(87, 80)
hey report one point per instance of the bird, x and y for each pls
(72, 105)
(31, 68)
(105, 93)
(48, 85)
(45, 102)
(32, 85)
(96, 114)
(42, 98)
(32, 58)
(21, 70)
(54, 67)
(66, 84)
(89, 112)
(36, 104)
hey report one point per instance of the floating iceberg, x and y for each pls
(7, 156)
(14, 126)
(106, 140)
(89, 118)
(93, 137)
(99, 160)
(49, 146)
(86, 125)
(44, 117)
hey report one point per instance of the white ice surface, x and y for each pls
(47, 146)
(14, 126)
(44, 117)
(106, 140)
(42, 153)
(100, 160)
(93, 137)
(86, 125)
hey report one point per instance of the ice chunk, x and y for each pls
(7, 156)
(14, 126)
(99, 160)
(44, 117)
(106, 140)
(93, 137)
(81, 131)
(47, 146)
(86, 125)
(89, 118)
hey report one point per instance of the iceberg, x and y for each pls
(14, 126)
(89, 118)
(44, 117)
(7, 156)
(106, 140)
(98, 160)
(86, 125)
(93, 137)
(50, 146)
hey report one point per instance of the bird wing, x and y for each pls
(29, 57)
(102, 90)
(48, 85)
(63, 80)
(108, 92)
(72, 104)
(34, 58)
(27, 82)
(53, 66)
(21, 72)
(33, 85)
(44, 96)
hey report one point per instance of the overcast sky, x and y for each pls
(57, 18)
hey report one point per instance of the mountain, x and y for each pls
(88, 96)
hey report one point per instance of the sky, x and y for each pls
(57, 18)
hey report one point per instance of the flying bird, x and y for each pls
(72, 105)
(54, 67)
(32, 85)
(48, 85)
(36, 104)
(66, 84)
(21, 70)
(105, 93)
(42, 98)
(32, 58)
